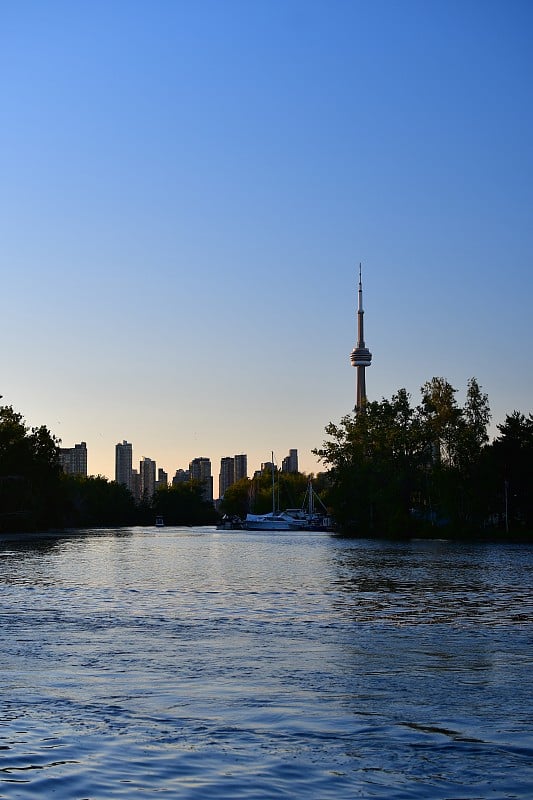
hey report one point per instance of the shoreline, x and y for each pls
(65, 533)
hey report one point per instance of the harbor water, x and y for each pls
(185, 663)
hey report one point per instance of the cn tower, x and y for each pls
(361, 357)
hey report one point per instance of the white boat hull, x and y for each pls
(270, 522)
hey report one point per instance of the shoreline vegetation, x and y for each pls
(393, 471)
(430, 469)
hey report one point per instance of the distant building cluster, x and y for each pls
(147, 479)
(143, 483)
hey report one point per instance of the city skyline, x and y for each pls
(188, 190)
(143, 482)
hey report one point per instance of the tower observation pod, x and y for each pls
(361, 357)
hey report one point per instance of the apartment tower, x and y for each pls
(123, 464)
(200, 470)
(74, 459)
(147, 472)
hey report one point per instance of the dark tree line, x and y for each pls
(35, 494)
(509, 473)
(395, 468)
(30, 474)
(97, 502)
(183, 504)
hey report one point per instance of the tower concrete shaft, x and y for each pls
(361, 357)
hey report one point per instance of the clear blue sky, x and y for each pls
(187, 189)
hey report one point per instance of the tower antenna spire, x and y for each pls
(361, 357)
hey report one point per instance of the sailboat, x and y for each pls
(308, 517)
(275, 520)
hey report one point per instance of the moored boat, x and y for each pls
(274, 521)
(230, 523)
(306, 518)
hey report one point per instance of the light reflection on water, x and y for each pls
(181, 662)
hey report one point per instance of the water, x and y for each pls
(187, 663)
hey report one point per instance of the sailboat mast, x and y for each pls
(273, 487)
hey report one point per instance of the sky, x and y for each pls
(186, 192)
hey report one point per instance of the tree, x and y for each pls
(477, 415)
(29, 474)
(393, 467)
(236, 500)
(95, 501)
(510, 475)
(455, 439)
(183, 504)
(374, 458)
(441, 416)
(286, 491)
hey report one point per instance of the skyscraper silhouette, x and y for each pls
(123, 463)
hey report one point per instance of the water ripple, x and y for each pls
(185, 662)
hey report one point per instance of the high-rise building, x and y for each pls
(232, 469)
(227, 474)
(290, 462)
(181, 476)
(74, 459)
(241, 466)
(200, 470)
(162, 479)
(361, 357)
(123, 463)
(147, 473)
(136, 485)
